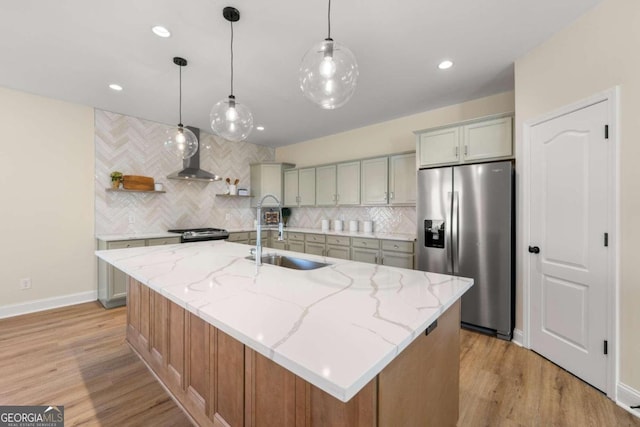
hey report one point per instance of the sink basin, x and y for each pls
(290, 262)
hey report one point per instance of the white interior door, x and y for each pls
(569, 210)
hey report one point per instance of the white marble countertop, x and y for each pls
(336, 327)
(387, 236)
(136, 236)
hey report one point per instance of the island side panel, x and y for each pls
(228, 382)
(159, 334)
(270, 392)
(325, 410)
(197, 372)
(420, 387)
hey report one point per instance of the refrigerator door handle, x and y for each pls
(449, 232)
(455, 235)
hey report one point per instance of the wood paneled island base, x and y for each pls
(219, 381)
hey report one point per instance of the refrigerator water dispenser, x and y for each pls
(434, 233)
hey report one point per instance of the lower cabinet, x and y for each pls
(295, 241)
(397, 253)
(239, 237)
(221, 382)
(314, 244)
(338, 247)
(112, 283)
(394, 253)
(365, 250)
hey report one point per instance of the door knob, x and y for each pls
(534, 249)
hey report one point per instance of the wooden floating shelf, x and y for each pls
(124, 190)
(230, 195)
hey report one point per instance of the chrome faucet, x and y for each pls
(258, 252)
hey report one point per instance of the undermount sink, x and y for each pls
(290, 262)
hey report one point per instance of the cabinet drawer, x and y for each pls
(341, 252)
(277, 244)
(295, 236)
(315, 238)
(338, 240)
(295, 246)
(254, 234)
(314, 248)
(163, 241)
(235, 237)
(397, 246)
(359, 242)
(126, 244)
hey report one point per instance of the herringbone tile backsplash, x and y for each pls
(135, 147)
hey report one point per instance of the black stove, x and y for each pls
(201, 234)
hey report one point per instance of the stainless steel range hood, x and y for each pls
(191, 170)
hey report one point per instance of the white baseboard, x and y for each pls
(628, 397)
(47, 304)
(518, 337)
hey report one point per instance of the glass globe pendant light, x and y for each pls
(328, 72)
(230, 119)
(180, 141)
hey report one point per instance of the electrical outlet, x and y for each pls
(25, 283)
(227, 216)
(132, 218)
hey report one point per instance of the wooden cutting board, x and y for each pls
(137, 182)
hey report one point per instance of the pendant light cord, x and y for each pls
(180, 97)
(231, 22)
(329, 20)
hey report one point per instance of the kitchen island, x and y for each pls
(345, 344)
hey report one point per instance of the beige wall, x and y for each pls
(597, 52)
(389, 137)
(46, 187)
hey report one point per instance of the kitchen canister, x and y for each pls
(337, 225)
(325, 225)
(368, 226)
(353, 226)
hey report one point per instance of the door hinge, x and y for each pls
(606, 239)
(606, 347)
(606, 131)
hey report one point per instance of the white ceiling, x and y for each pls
(73, 49)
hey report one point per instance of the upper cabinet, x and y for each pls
(326, 185)
(402, 179)
(266, 178)
(487, 139)
(375, 181)
(348, 183)
(338, 184)
(300, 187)
(381, 181)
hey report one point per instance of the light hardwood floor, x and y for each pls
(77, 357)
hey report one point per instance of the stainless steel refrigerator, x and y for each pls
(466, 228)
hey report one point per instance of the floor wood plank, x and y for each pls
(77, 357)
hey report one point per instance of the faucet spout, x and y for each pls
(258, 254)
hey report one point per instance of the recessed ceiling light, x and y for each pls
(115, 87)
(259, 127)
(445, 64)
(161, 31)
